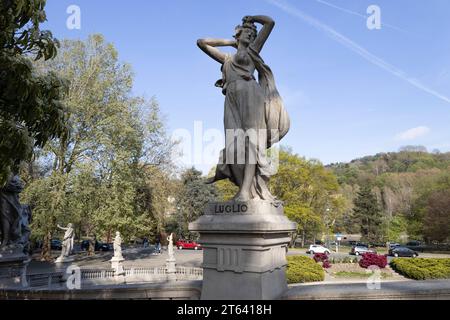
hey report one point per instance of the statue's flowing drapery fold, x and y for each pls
(251, 105)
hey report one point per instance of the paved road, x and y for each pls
(144, 257)
(134, 257)
(344, 254)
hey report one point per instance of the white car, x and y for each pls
(315, 248)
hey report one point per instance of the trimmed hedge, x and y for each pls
(303, 269)
(422, 268)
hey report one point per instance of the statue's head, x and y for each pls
(117, 234)
(70, 225)
(246, 33)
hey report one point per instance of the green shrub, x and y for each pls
(422, 268)
(303, 269)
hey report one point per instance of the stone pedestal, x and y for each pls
(13, 267)
(61, 260)
(171, 269)
(244, 250)
(117, 265)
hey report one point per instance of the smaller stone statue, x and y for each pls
(170, 263)
(117, 259)
(170, 245)
(67, 243)
(118, 246)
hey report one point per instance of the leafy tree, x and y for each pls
(31, 111)
(113, 150)
(367, 211)
(193, 195)
(310, 193)
(436, 225)
(397, 228)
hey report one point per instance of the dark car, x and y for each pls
(99, 246)
(105, 246)
(393, 245)
(402, 252)
(56, 244)
(414, 243)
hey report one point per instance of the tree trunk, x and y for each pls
(303, 238)
(108, 236)
(91, 249)
(46, 248)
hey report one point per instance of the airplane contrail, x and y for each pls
(353, 46)
(357, 14)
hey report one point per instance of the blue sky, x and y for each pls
(350, 91)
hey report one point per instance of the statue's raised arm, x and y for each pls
(208, 46)
(264, 33)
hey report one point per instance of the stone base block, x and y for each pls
(117, 265)
(62, 259)
(13, 267)
(244, 250)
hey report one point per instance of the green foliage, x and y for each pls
(191, 199)
(225, 188)
(303, 269)
(436, 225)
(422, 268)
(31, 111)
(109, 172)
(367, 211)
(403, 183)
(310, 193)
(397, 227)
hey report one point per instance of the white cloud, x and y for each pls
(413, 133)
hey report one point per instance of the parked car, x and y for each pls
(99, 246)
(402, 252)
(393, 245)
(315, 248)
(56, 244)
(414, 243)
(188, 244)
(360, 249)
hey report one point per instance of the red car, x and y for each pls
(188, 244)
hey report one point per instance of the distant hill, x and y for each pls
(411, 159)
(408, 185)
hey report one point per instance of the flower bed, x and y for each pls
(373, 259)
(303, 269)
(353, 270)
(422, 268)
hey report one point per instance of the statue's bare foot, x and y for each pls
(242, 196)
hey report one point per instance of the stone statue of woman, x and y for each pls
(252, 108)
(118, 245)
(10, 212)
(170, 245)
(67, 243)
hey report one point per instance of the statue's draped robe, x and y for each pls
(250, 105)
(11, 210)
(68, 242)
